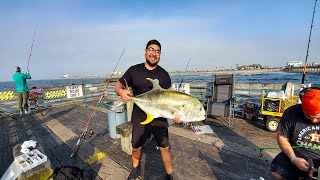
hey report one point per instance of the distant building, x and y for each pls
(315, 64)
(117, 73)
(294, 63)
(66, 76)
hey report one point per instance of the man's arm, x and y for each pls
(27, 75)
(121, 91)
(286, 148)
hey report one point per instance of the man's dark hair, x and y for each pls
(153, 41)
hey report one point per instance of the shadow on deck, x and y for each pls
(228, 153)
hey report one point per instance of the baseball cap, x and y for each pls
(16, 68)
(153, 41)
(311, 102)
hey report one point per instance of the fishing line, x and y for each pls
(34, 34)
(185, 70)
(307, 54)
(86, 127)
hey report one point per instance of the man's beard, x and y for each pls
(152, 64)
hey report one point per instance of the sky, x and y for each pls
(86, 37)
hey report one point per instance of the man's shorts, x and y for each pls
(282, 165)
(141, 133)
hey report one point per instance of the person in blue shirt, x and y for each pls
(20, 80)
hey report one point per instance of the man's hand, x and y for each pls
(177, 120)
(301, 163)
(125, 95)
(27, 71)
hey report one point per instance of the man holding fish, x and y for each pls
(153, 104)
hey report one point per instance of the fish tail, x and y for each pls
(148, 120)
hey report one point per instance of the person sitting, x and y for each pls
(298, 137)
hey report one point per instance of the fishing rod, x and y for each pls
(34, 34)
(86, 127)
(277, 147)
(307, 54)
(260, 149)
(183, 75)
(310, 161)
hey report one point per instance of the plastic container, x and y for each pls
(24, 163)
(30, 160)
(117, 114)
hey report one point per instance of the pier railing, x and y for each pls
(58, 96)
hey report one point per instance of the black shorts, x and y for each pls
(282, 165)
(141, 133)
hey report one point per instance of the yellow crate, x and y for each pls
(283, 105)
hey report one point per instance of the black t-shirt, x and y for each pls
(136, 79)
(300, 132)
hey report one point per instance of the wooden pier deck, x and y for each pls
(228, 153)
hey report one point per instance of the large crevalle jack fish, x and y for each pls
(168, 103)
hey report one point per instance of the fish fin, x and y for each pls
(126, 83)
(129, 106)
(155, 84)
(148, 120)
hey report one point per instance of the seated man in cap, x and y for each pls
(20, 80)
(299, 138)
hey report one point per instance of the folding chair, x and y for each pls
(222, 102)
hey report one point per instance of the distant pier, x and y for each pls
(310, 69)
(227, 71)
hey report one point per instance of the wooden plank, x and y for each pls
(263, 86)
(258, 86)
(247, 92)
(198, 84)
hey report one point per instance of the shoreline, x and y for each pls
(245, 71)
(251, 71)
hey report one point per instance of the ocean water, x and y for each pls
(264, 78)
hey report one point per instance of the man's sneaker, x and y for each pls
(169, 177)
(20, 112)
(26, 112)
(135, 172)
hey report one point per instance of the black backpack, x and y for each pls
(71, 173)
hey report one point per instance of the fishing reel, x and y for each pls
(311, 170)
(305, 90)
(90, 133)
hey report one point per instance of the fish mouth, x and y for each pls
(201, 118)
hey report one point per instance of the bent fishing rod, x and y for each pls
(307, 54)
(30, 54)
(185, 70)
(86, 127)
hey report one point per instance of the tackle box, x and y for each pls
(30, 160)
